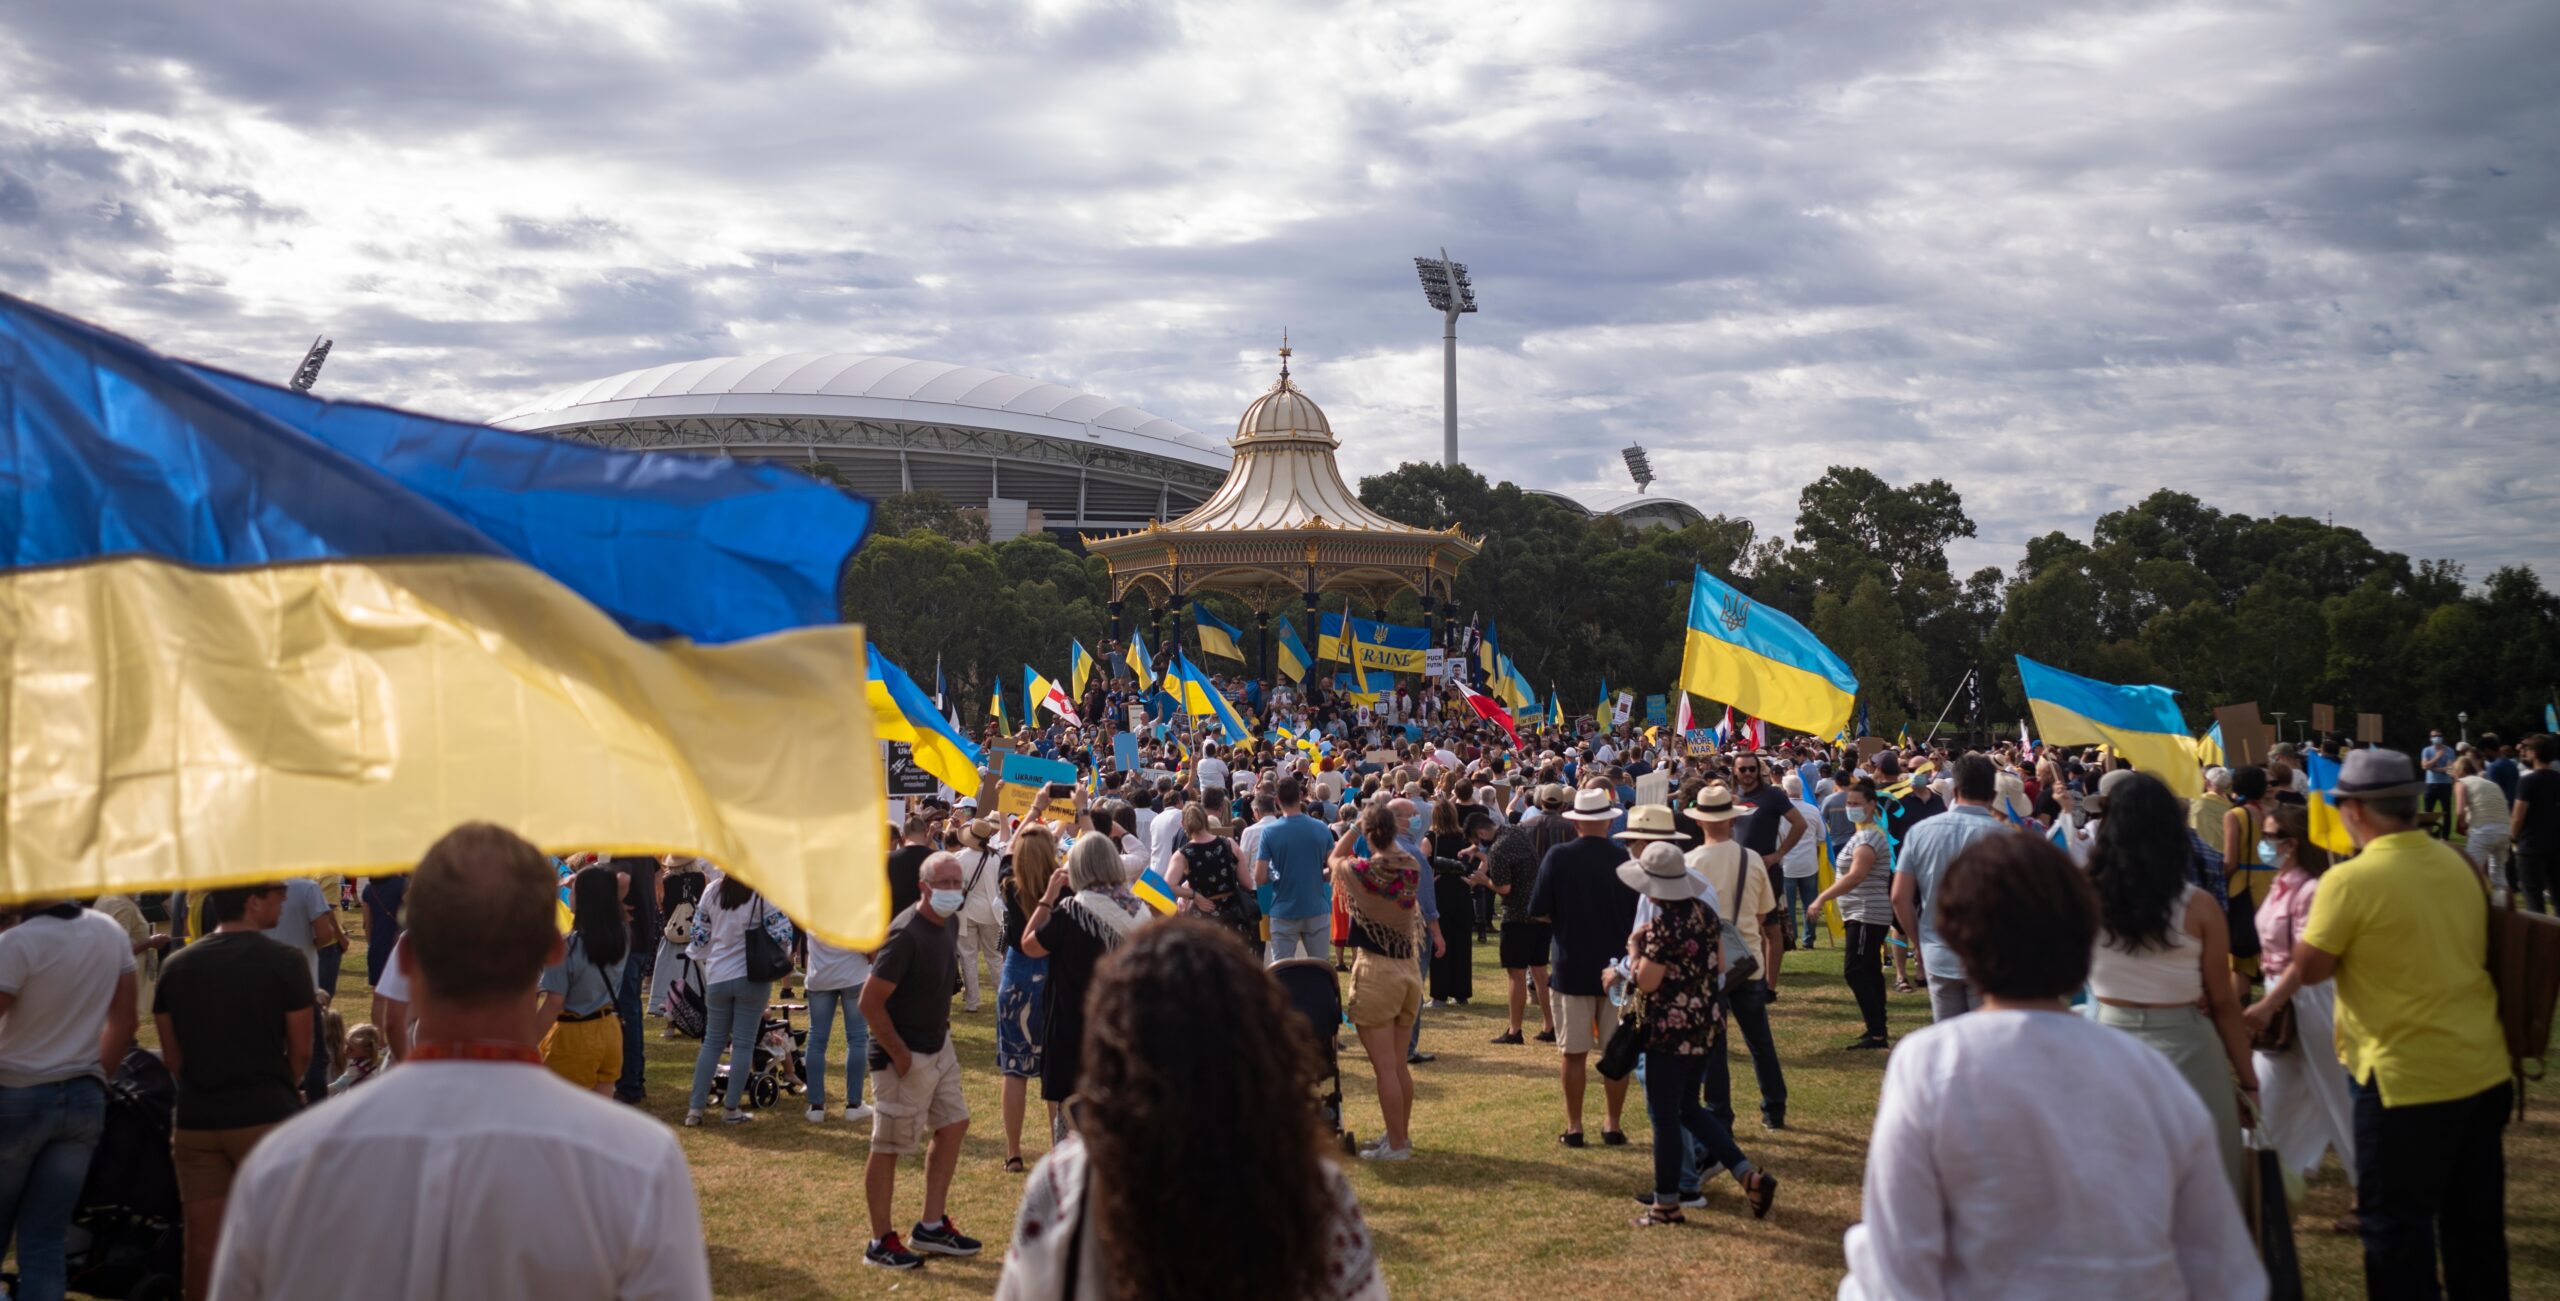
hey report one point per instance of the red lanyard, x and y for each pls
(476, 1050)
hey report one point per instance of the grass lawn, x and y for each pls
(1491, 1204)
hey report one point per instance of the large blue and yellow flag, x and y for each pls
(1217, 636)
(1488, 652)
(2140, 723)
(1387, 647)
(1079, 669)
(1200, 699)
(1292, 652)
(1368, 685)
(1137, 657)
(261, 635)
(1760, 661)
(900, 711)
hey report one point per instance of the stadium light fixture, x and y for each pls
(1640, 466)
(1446, 287)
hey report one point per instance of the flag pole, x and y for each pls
(1951, 705)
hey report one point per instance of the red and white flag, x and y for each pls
(1056, 702)
(1489, 708)
(1682, 725)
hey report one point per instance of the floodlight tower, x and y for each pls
(308, 373)
(1445, 285)
(1639, 467)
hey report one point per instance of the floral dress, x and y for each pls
(1682, 1014)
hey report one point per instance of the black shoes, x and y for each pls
(1867, 1041)
(944, 1239)
(1508, 1037)
(889, 1253)
(1613, 1138)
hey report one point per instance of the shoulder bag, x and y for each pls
(768, 960)
(1626, 1042)
(2524, 965)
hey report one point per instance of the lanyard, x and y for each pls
(475, 1050)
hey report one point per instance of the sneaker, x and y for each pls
(856, 1114)
(1867, 1041)
(889, 1253)
(692, 1119)
(817, 1115)
(1692, 1200)
(733, 1116)
(1773, 1122)
(1508, 1037)
(944, 1239)
(1419, 1059)
(1546, 1036)
(1382, 1152)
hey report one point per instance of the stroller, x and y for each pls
(780, 1063)
(127, 1232)
(1310, 985)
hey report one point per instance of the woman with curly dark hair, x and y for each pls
(1188, 1038)
(2163, 947)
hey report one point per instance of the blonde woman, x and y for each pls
(1020, 1019)
(2480, 815)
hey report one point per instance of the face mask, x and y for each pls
(2267, 852)
(946, 903)
(2437, 740)
(1862, 815)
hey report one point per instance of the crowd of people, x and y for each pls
(2119, 982)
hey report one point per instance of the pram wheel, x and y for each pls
(1350, 1144)
(763, 1091)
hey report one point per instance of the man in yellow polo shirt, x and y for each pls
(2403, 925)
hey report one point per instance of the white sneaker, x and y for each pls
(817, 1115)
(1385, 1153)
(692, 1119)
(855, 1115)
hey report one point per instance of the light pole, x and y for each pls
(1445, 286)
(2464, 718)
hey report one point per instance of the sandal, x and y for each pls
(1573, 1139)
(1013, 1165)
(1613, 1138)
(1905, 987)
(1762, 1188)
(1656, 1217)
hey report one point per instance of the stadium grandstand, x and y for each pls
(1026, 454)
(1637, 509)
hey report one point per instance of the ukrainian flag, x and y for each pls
(1294, 660)
(995, 706)
(1152, 888)
(1760, 661)
(1199, 699)
(1217, 636)
(1366, 683)
(1079, 669)
(261, 636)
(1488, 653)
(2209, 746)
(1137, 657)
(900, 711)
(2328, 830)
(2141, 723)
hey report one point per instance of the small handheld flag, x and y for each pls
(1217, 636)
(1079, 669)
(1152, 889)
(1138, 664)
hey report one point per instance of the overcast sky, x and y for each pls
(2299, 256)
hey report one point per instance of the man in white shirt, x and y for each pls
(470, 1171)
(1212, 771)
(1166, 835)
(1743, 883)
(66, 1018)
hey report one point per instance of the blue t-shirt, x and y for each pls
(1296, 847)
(2433, 755)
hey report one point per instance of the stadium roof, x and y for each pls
(856, 387)
(1627, 505)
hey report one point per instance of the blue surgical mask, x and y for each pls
(946, 903)
(2267, 852)
(1862, 815)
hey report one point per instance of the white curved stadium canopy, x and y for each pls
(850, 386)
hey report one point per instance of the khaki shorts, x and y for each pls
(1384, 990)
(585, 1053)
(908, 1107)
(1578, 1021)
(207, 1159)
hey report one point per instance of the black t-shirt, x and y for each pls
(1579, 891)
(2540, 790)
(1074, 951)
(906, 867)
(227, 997)
(1015, 915)
(921, 958)
(640, 903)
(1761, 825)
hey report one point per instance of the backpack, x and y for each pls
(2524, 964)
(679, 928)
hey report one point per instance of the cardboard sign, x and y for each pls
(1702, 741)
(1023, 776)
(905, 778)
(2324, 718)
(1869, 747)
(2245, 736)
(2369, 728)
(1382, 758)
(1618, 712)
(1654, 788)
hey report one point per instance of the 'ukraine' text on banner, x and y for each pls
(2140, 723)
(1387, 647)
(266, 636)
(1761, 661)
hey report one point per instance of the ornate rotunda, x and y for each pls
(1283, 531)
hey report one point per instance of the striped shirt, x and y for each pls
(1872, 901)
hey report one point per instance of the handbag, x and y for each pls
(2524, 966)
(1626, 1042)
(767, 959)
(2269, 1206)
(2278, 1033)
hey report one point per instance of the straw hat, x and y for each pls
(1593, 804)
(1651, 822)
(1714, 804)
(979, 833)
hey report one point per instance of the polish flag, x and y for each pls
(1488, 708)
(1685, 721)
